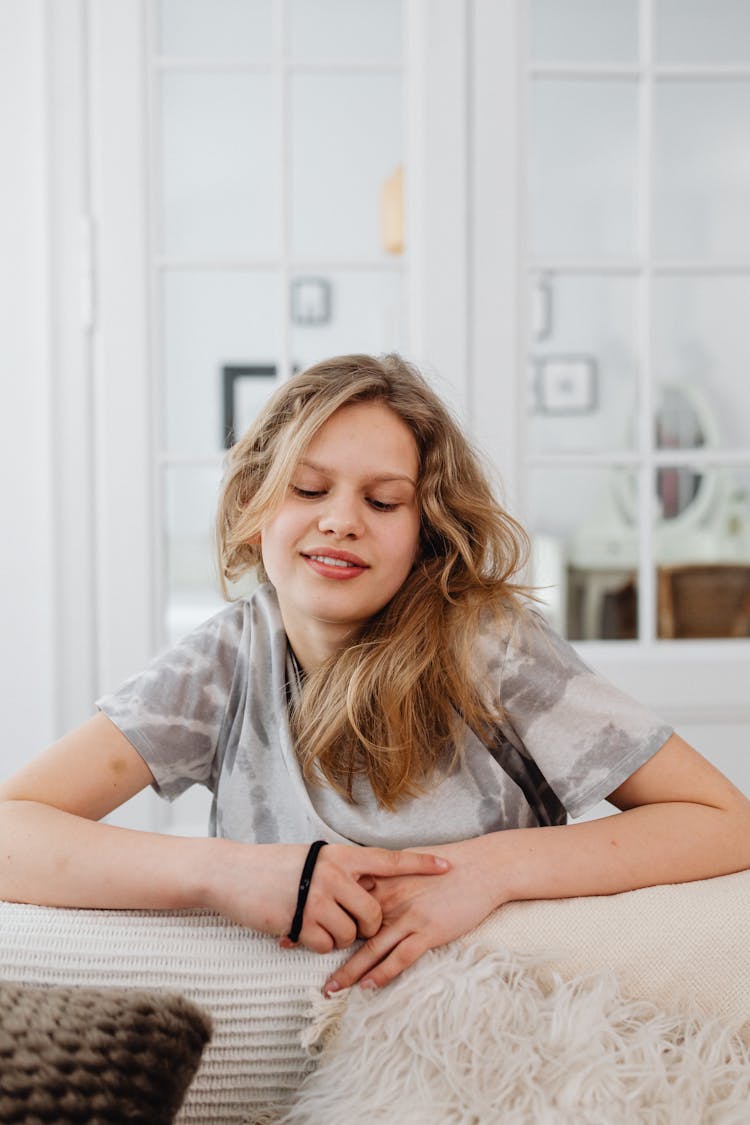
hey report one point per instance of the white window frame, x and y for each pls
(690, 682)
(285, 265)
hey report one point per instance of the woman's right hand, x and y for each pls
(257, 886)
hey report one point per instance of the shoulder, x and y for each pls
(205, 668)
(517, 645)
(515, 630)
(257, 613)
(216, 649)
(534, 639)
(215, 640)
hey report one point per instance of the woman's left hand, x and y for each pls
(420, 913)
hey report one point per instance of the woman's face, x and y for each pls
(347, 533)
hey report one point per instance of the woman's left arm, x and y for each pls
(681, 820)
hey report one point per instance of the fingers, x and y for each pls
(380, 861)
(379, 961)
(364, 909)
(328, 927)
(341, 872)
(328, 924)
(333, 887)
(339, 907)
(339, 934)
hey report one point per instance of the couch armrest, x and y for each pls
(684, 944)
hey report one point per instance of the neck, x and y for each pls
(313, 647)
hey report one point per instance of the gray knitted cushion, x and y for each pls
(99, 1055)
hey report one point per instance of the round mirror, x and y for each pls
(684, 420)
(679, 425)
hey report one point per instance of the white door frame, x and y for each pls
(121, 354)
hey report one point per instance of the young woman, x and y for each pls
(386, 689)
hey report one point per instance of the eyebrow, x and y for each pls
(378, 478)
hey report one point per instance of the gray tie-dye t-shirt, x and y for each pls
(213, 711)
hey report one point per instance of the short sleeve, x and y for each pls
(585, 735)
(174, 712)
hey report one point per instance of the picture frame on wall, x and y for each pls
(565, 384)
(246, 387)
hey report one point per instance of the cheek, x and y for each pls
(413, 538)
(280, 533)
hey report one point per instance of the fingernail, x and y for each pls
(332, 986)
(442, 864)
(368, 984)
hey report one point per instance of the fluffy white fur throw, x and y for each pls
(471, 1037)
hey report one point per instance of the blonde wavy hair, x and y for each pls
(390, 704)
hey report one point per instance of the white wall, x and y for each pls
(27, 618)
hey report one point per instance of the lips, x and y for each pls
(331, 563)
(335, 558)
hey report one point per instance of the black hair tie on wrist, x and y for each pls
(304, 887)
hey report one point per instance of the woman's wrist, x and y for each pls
(512, 865)
(254, 884)
(207, 865)
(490, 861)
(484, 859)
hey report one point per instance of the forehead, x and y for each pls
(368, 434)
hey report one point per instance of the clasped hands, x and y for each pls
(396, 904)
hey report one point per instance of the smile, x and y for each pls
(330, 561)
(338, 564)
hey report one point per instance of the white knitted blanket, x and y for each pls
(260, 997)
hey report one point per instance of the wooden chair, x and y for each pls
(704, 600)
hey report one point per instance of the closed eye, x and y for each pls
(316, 493)
(307, 493)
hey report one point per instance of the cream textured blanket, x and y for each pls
(679, 945)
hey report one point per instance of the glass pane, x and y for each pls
(587, 565)
(584, 363)
(366, 314)
(704, 514)
(213, 321)
(220, 166)
(190, 498)
(583, 168)
(346, 29)
(215, 28)
(703, 576)
(584, 31)
(702, 31)
(346, 141)
(701, 170)
(701, 345)
(191, 570)
(583, 523)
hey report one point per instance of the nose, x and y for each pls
(341, 517)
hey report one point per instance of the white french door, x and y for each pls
(610, 164)
(245, 162)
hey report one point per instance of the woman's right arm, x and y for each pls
(55, 852)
